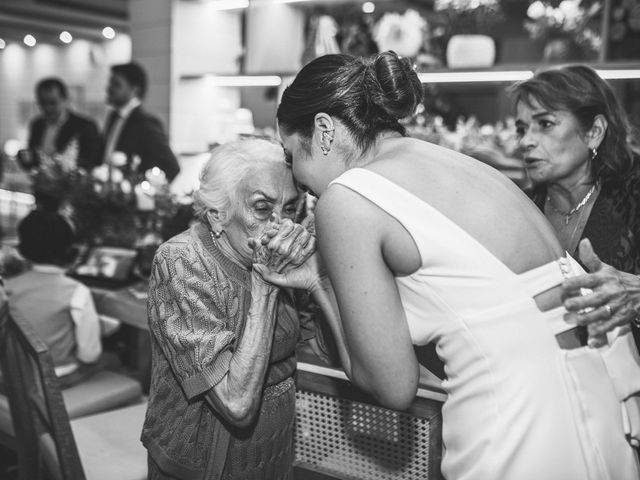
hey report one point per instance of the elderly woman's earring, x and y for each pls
(217, 234)
(594, 153)
(326, 140)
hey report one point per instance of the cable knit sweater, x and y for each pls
(198, 301)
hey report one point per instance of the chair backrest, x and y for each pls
(35, 399)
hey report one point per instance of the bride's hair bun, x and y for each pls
(397, 90)
(368, 95)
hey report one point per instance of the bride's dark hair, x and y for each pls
(369, 95)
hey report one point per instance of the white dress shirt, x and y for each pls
(114, 133)
(86, 321)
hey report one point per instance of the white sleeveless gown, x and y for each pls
(519, 407)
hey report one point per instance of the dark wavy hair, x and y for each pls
(368, 95)
(579, 89)
(52, 83)
(45, 237)
(134, 74)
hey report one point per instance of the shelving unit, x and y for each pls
(506, 73)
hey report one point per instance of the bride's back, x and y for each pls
(475, 196)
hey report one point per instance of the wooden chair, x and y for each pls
(96, 447)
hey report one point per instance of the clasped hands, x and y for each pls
(285, 254)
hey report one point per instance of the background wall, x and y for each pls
(83, 65)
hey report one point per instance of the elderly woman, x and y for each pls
(575, 136)
(221, 404)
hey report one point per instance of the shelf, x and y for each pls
(506, 73)
(612, 71)
(236, 80)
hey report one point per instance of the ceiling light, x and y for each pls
(66, 37)
(368, 7)
(108, 33)
(29, 40)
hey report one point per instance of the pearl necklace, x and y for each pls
(570, 213)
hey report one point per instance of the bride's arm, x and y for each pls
(371, 324)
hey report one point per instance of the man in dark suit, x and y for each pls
(57, 128)
(132, 130)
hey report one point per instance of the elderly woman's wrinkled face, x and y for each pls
(266, 195)
(554, 144)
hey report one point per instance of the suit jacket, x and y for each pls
(143, 135)
(77, 126)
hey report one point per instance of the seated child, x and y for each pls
(60, 309)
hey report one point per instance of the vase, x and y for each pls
(561, 50)
(470, 51)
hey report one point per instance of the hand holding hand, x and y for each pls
(282, 255)
(307, 276)
(613, 298)
(291, 243)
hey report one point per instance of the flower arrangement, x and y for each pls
(570, 19)
(402, 33)
(469, 16)
(108, 205)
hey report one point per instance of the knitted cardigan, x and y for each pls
(198, 301)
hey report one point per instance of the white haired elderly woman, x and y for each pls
(221, 404)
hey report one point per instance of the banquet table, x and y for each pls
(129, 305)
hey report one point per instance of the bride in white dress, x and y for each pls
(422, 244)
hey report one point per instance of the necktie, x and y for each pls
(110, 135)
(111, 120)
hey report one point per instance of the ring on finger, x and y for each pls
(608, 308)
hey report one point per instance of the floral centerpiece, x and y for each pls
(469, 16)
(567, 25)
(468, 25)
(409, 35)
(109, 205)
(403, 33)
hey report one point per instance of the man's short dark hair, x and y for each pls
(45, 237)
(134, 74)
(52, 82)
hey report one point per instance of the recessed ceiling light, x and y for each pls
(29, 40)
(66, 37)
(368, 7)
(108, 32)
